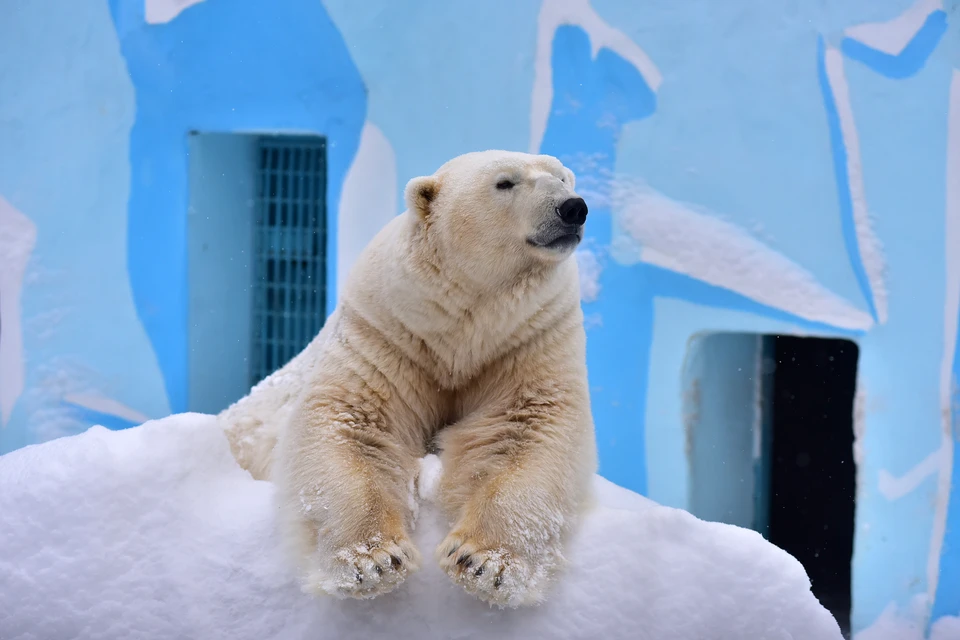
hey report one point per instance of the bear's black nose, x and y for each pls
(573, 211)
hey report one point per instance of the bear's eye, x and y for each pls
(503, 185)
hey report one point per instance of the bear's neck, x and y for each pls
(451, 327)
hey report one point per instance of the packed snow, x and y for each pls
(156, 532)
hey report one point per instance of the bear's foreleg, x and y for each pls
(344, 482)
(517, 473)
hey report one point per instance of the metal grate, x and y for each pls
(289, 245)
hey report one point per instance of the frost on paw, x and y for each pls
(493, 574)
(368, 569)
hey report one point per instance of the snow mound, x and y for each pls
(156, 532)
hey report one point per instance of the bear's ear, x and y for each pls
(420, 193)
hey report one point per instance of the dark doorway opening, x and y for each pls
(812, 471)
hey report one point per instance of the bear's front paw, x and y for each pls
(367, 569)
(495, 574)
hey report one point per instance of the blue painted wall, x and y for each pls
(787, 168)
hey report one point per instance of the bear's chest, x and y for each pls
(459, 353)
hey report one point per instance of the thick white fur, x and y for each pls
(453, 333)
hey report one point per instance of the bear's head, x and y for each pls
(499, 212)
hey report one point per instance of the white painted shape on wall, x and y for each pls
(893, 35)
(18, 235)
(910, 624)
(368, 200)
(556, 13)
(676, 236)
(105, 405)
(951, 309)
(161, 11)
(870, 253)
(894, 488)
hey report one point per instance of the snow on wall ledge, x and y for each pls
(676, 236)
(156, 532)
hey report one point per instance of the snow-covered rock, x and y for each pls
(155, 532)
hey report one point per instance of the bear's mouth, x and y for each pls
(561, 240)
(565, 241)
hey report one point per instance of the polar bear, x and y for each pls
(459, 331)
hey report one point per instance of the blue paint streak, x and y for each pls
(592, 100)
(221, 66)
(947, 599)
(91, 417)
(911, 59)
(843, 181)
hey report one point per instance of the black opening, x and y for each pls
(813, 476)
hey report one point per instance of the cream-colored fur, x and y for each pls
(454, 333)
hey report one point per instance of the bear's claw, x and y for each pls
(484, 571)
(369, 569)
